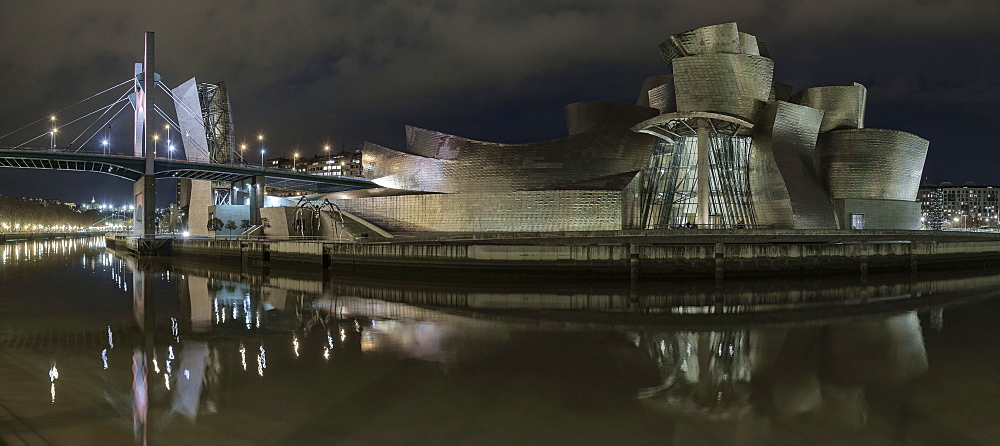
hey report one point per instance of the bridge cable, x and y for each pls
(67, 108)
(102, 127)
(66, 124)
(177, 126)
(120, 99)
(199, 119)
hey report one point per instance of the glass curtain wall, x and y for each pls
(667, 193)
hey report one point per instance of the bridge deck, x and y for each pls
(132, 167)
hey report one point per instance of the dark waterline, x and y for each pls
(287, 357)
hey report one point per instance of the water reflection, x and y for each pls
(196, 349)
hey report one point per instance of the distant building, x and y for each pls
(340, 164)
(278, 163)
(967, 206)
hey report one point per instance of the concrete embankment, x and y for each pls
(661, 254)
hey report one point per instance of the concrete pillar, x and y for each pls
(704, 185)
(144, 190)
(144, 215)
(257, 186)
(149, 90)
(251, 191)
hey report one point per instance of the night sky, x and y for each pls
(307, 73)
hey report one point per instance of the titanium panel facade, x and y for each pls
(650, 83)
(879, 214)
(734, 84)
(189, 118)
(748, 44)
(545, 210)
(662, 98)
(721, 38)
(467, 165)
(786, 192)
(582, 117)
(873, 164)
(844, 105)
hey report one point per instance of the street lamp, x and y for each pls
(155, 139)
(170, 154)
(52, 143)
(243, 151)
(327, 148)
(261, 158)
(295, 162)
(167, 127)
(105, 144)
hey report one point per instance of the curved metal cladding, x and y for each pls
(748, 44)
(398, 170)
(785, 192)
(650, 83)
(875, 164)
(463, 165)
(662, 97)
(844, 105)
(734, 84)
(721, 38)
(582, 117)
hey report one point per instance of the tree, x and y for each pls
(245, 224)
(215, 224)
(230, 225)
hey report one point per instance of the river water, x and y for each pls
(96, 348)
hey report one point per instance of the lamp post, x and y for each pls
(167, 127)
(155, 139)
(260, 138)
(52, 141)
(243, 152)
(170, 152)
(327, 148)
(295, 162)
(104, 144)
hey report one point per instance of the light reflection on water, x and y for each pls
(190, 350)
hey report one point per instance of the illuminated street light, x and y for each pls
(243, 150)
(295, 162)
(170, 155)
(327, 148)
(167, 127)
(260, 138)
(105, 144)
(155, 139)
(52, 142)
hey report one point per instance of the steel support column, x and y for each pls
(704, 183)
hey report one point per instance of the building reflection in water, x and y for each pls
(210, 332)
(738, 378)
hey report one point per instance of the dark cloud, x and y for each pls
(310, 72)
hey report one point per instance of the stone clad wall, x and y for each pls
(546, 210)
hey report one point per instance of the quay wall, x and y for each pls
(678, 260)
(576, 258)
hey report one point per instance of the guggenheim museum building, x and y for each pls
(714, 143)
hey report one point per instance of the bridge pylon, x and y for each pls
(144, 190)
